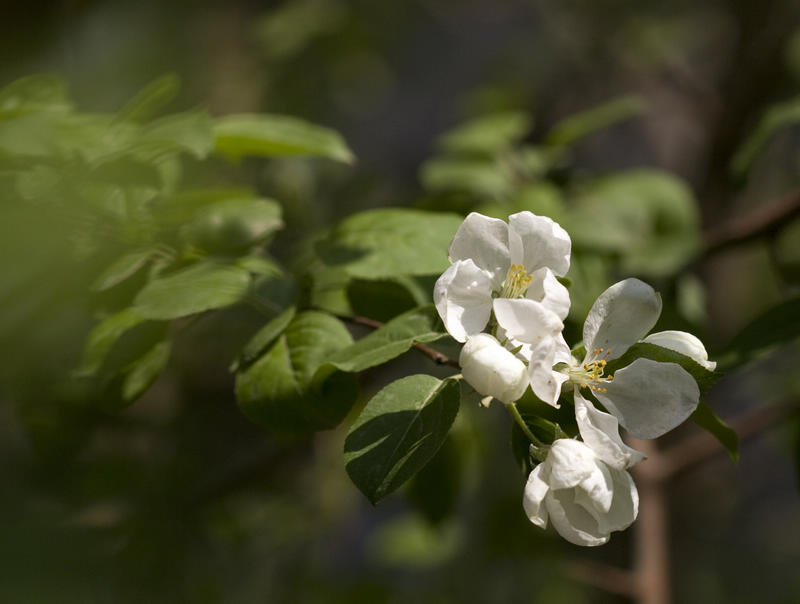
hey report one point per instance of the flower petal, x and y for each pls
(544, 243)
(463, 297)
(622, 315)
(683, 342)
(532, 501)
(596, 492)
(545, 288)
(650, 398)
(526, 320)
(570, 462)
(546, 383)
(600, 432)
(484, 240)
(492, 370)
(572, 521)
(625, 505)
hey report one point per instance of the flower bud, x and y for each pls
(492, 370)
(683, 342)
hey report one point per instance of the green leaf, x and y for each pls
(191, 131)
(385, 243)
(487, 134)
(778, 117)
(39, 92)
(399, 430)
(777, 325)
(124, 267)
(481, 177)
(144, 371)
(203, 286)
(580, 125)
(233, 225)
(263, 338)
(647, 216)
(265, 135)
(704, 378)
(103, 337)
(150, 99)
(390, 341)
(704, 417)
(284, 390)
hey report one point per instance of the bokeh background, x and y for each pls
(180, 498)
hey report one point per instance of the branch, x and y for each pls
(436, 356)
(702, 445)
(764, 220)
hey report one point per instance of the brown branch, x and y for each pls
(765, 220)
(609, 578)
(651, 532)
(436, 356)
(702, 445)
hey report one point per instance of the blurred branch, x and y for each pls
(765, 220)
(609, 578)
(698, 447)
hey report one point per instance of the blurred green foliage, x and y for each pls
(142, 249)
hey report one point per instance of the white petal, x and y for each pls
(485, 241)
(572, 521)
(545, 288)
(545, 383)
(600, 432)
(532, 501)
(570, 462)
(650, 398)
(625, 506)
(596, 492)
(463, 297)
(683, 342)
(622, 315)
(544, 243)
(492, 370)
(526, 320)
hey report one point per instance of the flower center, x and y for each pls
(516, 282)
(590, 374)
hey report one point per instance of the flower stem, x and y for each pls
(512, 408)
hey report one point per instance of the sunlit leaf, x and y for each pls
(264, 337)
(388, 242)
(393, 339)
(706, 418)
(778, 117)
(124, 267)
(399, 430)
(267, 135)
(233, 225)
(103, 337)
(150, 99)
(144, 371)
(487, 134)
(203, 286)
(284, 390)
(580, 125)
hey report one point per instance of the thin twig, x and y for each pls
(763, 221)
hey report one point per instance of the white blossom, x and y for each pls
(494, 261)
(584, 497)
(649, 398)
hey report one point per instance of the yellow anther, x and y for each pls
(516, 283)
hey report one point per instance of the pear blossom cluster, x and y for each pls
(503, 296)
